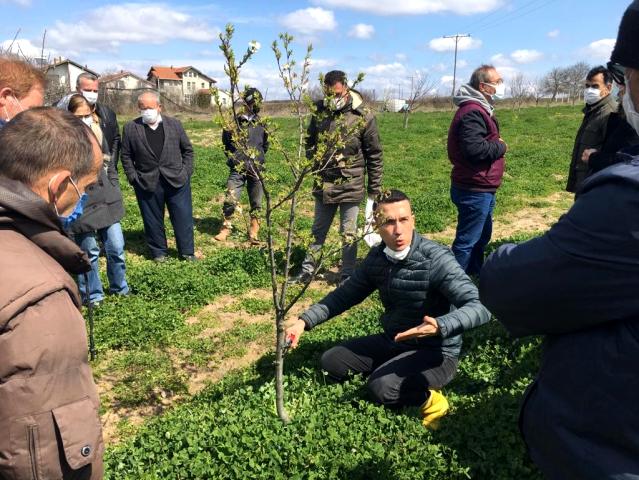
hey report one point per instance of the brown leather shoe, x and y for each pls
(225, 231)
(253, 231)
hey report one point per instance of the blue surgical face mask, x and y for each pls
(78, 209)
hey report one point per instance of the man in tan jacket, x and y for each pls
(49, 423)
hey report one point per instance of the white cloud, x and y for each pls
(25, 48)
(321, 63)
(309, 21)
(462, 63)
(402, 57)
(448, 44)
(500, 60)
(526, 56)
(553, 33)
(362, 31)
(414, 7)
(108, 27)
(446, 80)
(440, 67)
(386, 69)
(600, 49)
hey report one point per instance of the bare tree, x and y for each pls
(575, 75)
(421, 86)
(537, 89)
(519, 90)
(553, 83)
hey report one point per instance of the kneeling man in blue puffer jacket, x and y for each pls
(418, 281)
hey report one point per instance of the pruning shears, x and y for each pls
(290, 338)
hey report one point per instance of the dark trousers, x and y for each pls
(474, 227)
(399, 374)
(180, 206)
(234, 186)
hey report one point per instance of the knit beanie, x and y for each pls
(626, 51)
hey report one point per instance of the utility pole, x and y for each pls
(456, 37)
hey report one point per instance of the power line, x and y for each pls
(508, 19)
(500, 13)
(456, 37)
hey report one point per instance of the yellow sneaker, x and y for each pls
(433, 409)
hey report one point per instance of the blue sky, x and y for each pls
(388, 40)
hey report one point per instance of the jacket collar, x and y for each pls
(25, 212)
(414, 245)
(607, 100)
(466, 93)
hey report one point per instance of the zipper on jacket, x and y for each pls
(388, 282)
(32, 439)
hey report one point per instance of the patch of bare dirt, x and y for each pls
(206, 138)
(217, 318)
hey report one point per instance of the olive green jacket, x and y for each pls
(341, 173)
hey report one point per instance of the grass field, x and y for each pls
(185, 363)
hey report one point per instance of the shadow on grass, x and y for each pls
(208, 225)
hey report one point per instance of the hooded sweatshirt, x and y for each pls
(474, 146)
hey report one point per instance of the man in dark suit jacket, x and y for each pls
(157, 157)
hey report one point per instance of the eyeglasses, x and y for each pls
(618, 72)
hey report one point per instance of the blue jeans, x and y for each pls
(113, 241)
(474, 227)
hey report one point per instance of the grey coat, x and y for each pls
(144, 168)
(428, 282)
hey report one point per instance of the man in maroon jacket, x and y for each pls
(476, 150)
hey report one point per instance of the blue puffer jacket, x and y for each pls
(427, 282)
(579, 285)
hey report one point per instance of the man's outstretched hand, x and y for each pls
(428, 328)
(294, 332)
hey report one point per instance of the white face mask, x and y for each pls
(396, 256)
(500, 91)
(149, 116)
(17, 102)
(592, 95)
(632, 117)
(336, 103)
(88, 120)
(92, 97)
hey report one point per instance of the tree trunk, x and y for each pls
(279, 368)
(405, 119)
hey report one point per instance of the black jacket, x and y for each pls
(591, 134)
(619, 135)
(342, 172)
(257, 139)
(141, 165)
(474, 146)
(427, 282)
(578, 285)
(104, 206)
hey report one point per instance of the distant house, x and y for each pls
(124, 81)
(224, 96)
(64, 73)
(179, 82)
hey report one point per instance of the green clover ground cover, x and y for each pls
(230, 429)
